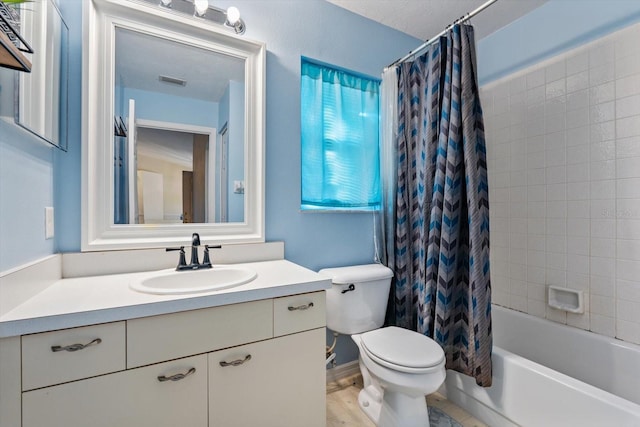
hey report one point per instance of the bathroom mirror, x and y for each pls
(40, 96)
(173, 129)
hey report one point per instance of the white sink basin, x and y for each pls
(171, 282)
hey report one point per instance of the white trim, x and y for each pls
(100, 18)
(343, 371)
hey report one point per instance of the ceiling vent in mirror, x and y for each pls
(172, 80)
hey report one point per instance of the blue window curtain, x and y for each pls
(340, 115)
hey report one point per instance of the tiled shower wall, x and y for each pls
(563, 149)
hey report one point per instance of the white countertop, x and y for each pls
(98, 299)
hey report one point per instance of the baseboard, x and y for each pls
(343, 371)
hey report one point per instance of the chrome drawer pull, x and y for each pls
(236, 362)
(301, 307)
(75, 347)
(176, 377)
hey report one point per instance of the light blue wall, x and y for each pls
(236, 150)
(290, 28)
(167, 108)
(26, 188)
(555, 27)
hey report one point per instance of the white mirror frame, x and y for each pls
(100, 18)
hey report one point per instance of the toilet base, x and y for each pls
(395, 409)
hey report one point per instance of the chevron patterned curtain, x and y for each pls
(442, 281)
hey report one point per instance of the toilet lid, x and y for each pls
(402, 347)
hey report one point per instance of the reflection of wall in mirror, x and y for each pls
(232, 113)
(172, 188)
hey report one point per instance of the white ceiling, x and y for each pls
(424, 19)
(141, 59)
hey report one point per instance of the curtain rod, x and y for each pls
(437, 36)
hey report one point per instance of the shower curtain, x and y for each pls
(441, 237)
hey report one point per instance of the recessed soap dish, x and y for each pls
(566, 299)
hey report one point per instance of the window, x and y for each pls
(340, 134)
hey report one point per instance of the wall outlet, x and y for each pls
(48, 223)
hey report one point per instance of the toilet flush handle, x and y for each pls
(351, 287)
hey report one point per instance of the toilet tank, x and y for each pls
(357, 299)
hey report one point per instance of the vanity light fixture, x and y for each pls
(234, 21)
(201, 9)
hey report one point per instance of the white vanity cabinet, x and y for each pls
(131, 398)
(258, 363)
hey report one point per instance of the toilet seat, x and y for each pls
(403, 350)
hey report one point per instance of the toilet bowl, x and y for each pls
(399, 367)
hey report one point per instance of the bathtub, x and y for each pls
(548, 374)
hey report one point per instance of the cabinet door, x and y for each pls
(274, 383)
(134, 398)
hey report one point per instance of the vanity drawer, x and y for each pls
(71, 354)
(297, 313)
(170, 336)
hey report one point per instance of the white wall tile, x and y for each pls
(578, 227)
(578, 245)
(603, 306)
(579, 172)
(628, 249)
(578, 81)
(628, 290)
(600, 285)
(536, 242)
(603, 228)
(578, 136)
(601, 74)
(628, 168)
(603, 189)
(536, 308)
(580, 99)
(603, 267)
(577, 118)
(563, 146)
(627, 66)
(628, 106)
(601, 52)
(628, 310)
(628, 229)
(603, 248)
(603, 170)
(602, 131)
(602, 112)
(602, 93)
(629, 85)
(555, 71)
(578, 190)
(628, 331)
(628, 126)
(628, 147)
(537, 276)
(577, 62)
(603, 325)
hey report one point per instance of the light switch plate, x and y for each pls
(48, 223)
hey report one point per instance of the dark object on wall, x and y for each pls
(12, 45)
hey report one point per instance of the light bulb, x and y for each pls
(233, 15)
(201, 6)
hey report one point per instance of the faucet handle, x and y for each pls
(182, 262)
(206, 260)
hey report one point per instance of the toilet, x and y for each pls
(399, 367)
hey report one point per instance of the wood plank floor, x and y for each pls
(343, 410)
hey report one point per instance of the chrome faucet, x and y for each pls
(195, 262)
